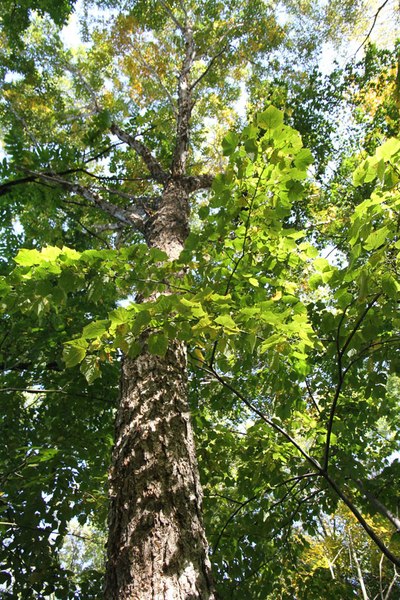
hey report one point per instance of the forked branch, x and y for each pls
(156, 170)
(134, 216)
(312, 461)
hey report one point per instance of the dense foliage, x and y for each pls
(286, 294)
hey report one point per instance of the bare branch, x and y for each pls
(192, 183)
(156, 170)
(378, 504)
(382, 6)
(209, 66)
(34, 391)
(390, 587)
(359, 322)
(75, 71)
(369, 350)
(8, 185)
(25, 366)
(309, 390)
(108, 227)
(185, 106)
(132, 217)
(102, 152)
(170, 13)
(89, 231)
(141, 200)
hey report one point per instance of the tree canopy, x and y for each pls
(285, 293)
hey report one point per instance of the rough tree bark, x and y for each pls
(157, 549)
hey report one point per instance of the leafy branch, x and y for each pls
(342, 373)
(312, 461)
(296, 480)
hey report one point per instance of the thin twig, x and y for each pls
(296, 479)
(312, 461)
(382, 6)
(341, 373)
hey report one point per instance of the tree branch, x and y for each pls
(246, 502)
(5, 187)
(382, 6)
(362, 521)
(193, 183)
(381, 508)
(313, 462)
(209, 66)
(89, 231)
(185, 106)
(341, 374)
(311, 395)
(366, 351)
(209, 369)
(24, 366)
(170, 13)
(133, 217)
(34, 391)
(156, 170)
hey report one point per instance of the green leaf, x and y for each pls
(50, 253)
(376, 238)
(74, 352)
(157, 255)
(141, 320)
(229, 143)
(227, 323)
(28, 258)
(135, 349)
(390, 286)
(95, 329)
(119, 315)
(157, 343)
(69, 281)
(272, 118)
(303, 159)
(254, 282)
(272, 341)
(90, 368)
(189, 307)
(44, 455)
(388, 149)
(366, 172)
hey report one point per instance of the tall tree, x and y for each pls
(131, 149)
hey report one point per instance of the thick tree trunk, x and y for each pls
(157, 547)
